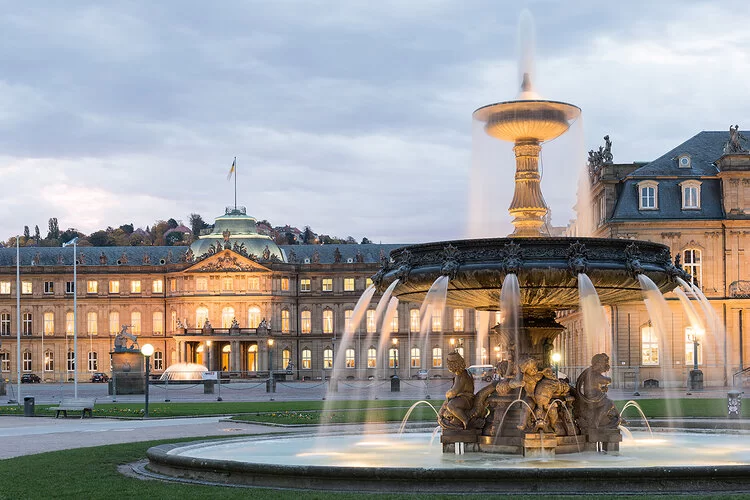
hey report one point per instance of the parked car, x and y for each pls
(30, 378)
(483, 372)
(99, 377)
(422, 374)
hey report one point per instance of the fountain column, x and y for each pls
(528, 206)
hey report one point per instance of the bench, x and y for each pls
(73, 404)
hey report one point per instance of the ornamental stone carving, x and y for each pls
(451, 262)
(405, 265)
(577, 258)
(633, 260)
(512, 259)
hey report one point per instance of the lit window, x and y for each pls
(157, 286)
(5, 287)
(649, 195)
(328, 358)
(458, 320)
(70, 322)
(172, 285)
(201, 285)
(691, 195)
(227, 315)
(135, 286)
(394, 322)
(327, 284)
(348, 284)
(135, 323)
(284, 284)
(253, 283)
(201, 316)
(306, 358)
(649, 346)
(92, 286)
(253, 317)
(26, 288)
(368, 282)
(327, 321)
(437, 357)
(92, 325)
(437, 319)
(5, 324)
(49, 287)
(158, 322)
(689, 345)
(93, 362)
(691, 259)
(348, 320)
(415, 357)
(173, 321)
(414, 320)
(227, 284)
(5, 361)
(26, 324)
(393, 357)
(49, 361)
(49, 323)
(286, 358)
(114, 323)
(285, 321)
(372, 357)
(370, 320)
(350, 358)
(114, 286)
(304, 285)
(306, 319)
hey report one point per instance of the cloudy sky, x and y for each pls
(353, 117)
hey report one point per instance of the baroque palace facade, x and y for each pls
(217, 303)
(695, 199)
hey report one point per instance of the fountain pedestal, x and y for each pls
(451, 438)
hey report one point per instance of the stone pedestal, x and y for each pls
(695, 380)
(605, 440)
(128, 373)
(450, 437)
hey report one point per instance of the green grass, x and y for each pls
(683, 407)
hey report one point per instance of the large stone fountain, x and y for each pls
(529, 411)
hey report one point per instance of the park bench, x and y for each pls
(72, 404)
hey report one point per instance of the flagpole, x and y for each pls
(235, 183)
(18, 318)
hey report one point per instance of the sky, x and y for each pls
(352, 117)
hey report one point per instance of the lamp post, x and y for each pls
(395, 356)
(147, 350)
(271, 380)
(74, 242)
(556, 361)
(695, 378)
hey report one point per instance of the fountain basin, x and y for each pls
(537, 120)
(668, 462)
(547, 270)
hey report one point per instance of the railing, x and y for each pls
(741, 373)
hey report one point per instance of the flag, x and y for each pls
(231, 170)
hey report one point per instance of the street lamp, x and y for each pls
(74, 242)
(147, 350)
(395, 356)
(556, 361)
(694, 337)
(271, 380)
(695, 376)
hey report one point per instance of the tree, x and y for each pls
(350, 240)
(69, 234)
(365, 241)
(308, 237)
(54, 230)
(173, 238)
(127, 228)
(26, 232)
(37, 236)
(172, 223)
(99, 239)
(196, 224)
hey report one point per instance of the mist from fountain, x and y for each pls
(483, 330)
(510, 305)
(184, 372)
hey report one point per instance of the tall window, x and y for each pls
(327, 321)
(253, 283)
(92, 325)
(70, 323)
(689, 345)
(437, 319)
(286, 357)
(691, 259)
(70, 287)
(114, 323)
(227, 284)
(394, 322)
(306, 358)
(4, 361)
(327, 284)
(26, 357)
(49, 361)
(135, 322)
(92, 286)
(415, 357)
(71, 361)
(649, 346)
(437, 357)
(414, 320)
(26, 324)
(253, 317)
(157, 286)
(350, 358)
(157, 323)
(285, 321)
(372, 357)
(49, 287)
(649, 195)
(227, 315)
(173, 321)
(114, 286)
(201, 316)
(327, 358)
(306, 322)
(458, 320)
(5, 324)
(49, 323)
(158, 360)
(371, 321)
(201, 285)
(26, 288)
(348, 284)
(348, 320)
(691, 194)
(393, 357)
(93, 360)
(304, 285)
(284, 284)
(135, 286)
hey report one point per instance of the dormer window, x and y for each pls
(683, 161)
(648, 198)
(691, 195)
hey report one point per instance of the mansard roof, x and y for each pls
(369, 253)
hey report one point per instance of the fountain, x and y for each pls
(506, 436)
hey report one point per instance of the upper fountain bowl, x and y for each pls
(547, 270)
(533, 120)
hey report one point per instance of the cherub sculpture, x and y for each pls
(594, 410)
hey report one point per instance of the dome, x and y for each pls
(236, 227)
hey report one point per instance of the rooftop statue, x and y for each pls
(734, 144)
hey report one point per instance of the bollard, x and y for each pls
(734, 404)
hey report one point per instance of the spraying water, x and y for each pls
(510, 305)
(433, 305)
(594, 319)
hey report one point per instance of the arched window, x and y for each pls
(286, 357)
(327, 321)
(372, 357)
(69, 322)
(201, 316)
(437, 357)
(252, 358)
(691, 259)
(393, 357)
(691, 194)
(4, 361)
(227, 315)
(27, 324)
(328, 358)
(350, 361)
(71, 361)
(414, 320)
(415, 357)
(285, 321)
(253, 317)
(49, 360)
(648, 198)
(306, 322)
(306, 358)
(49, 323)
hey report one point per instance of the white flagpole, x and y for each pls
(235, 183)
(74, 242)
(18, 318)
